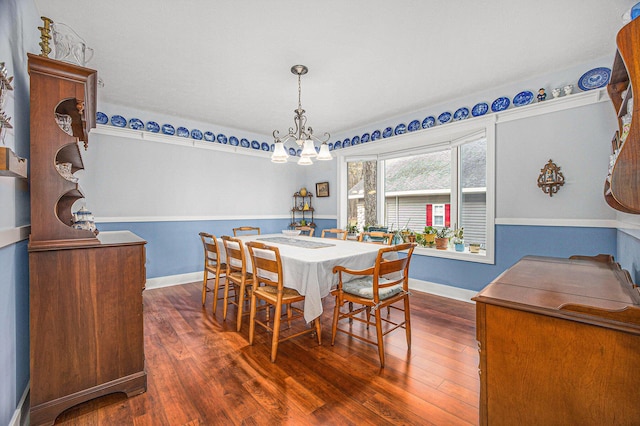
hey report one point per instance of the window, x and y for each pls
(426, 180)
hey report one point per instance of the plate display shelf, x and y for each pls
(298, 211)
(622, 183)
(85, 288)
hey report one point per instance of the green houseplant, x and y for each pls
(442, 238)
(458, 239)
(430, 235)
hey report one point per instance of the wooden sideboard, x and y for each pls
(559, 343)
(85, 288)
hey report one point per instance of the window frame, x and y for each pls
(423, 141)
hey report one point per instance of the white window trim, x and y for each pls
(429, 140)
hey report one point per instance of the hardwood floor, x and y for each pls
(202, 372)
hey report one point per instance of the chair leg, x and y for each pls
(252, 318)
(407, 321)
(276, 331)
(336, 314)
(318, 331)
(204, 286)
(240, 305)
(380, 340)
(216, 288)
(225, 300)
(289, 315)
(368, 312)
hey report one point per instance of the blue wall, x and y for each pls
(175, 248)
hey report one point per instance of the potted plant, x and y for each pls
(474, 247)
(458, 239)
(429, 235)
(352, 231)
(442, 238)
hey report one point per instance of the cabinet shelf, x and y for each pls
(11, 165)
(299, 213)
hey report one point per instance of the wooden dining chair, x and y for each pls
(267, 270)
(246, 230)
(382, 285)
(212, 265)
(340, 234)
(237, 276)
(376, 237)
(306, 230)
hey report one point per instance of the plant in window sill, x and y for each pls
(442, 238)
(474, 247)
(458, 239)
(428, 236)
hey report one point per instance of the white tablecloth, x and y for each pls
(310, 271)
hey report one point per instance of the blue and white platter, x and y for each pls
(153, 127)
(245, 143)
(136, 124)
(523, 98)
(118, 121)
(330, 145)
(168, 129)
(255, 144)
(196, 134)
(101, 118)
(209, 136)
(429, 121)
(355, 140)
(182, 132)
(272, 148)
(461, 114)
(298, 152)
(400, 129)
(594, 79)
(233, 141)
(346, 143)
(337, 145)
(445, 117)
(264, 146)
(375, 135)
(413, 126)
(365, 138)
(479, 109)
(500, 104)
(221, 138)
(387, 132)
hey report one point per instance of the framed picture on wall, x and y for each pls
(322, 189)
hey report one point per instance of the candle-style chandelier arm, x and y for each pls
(327, 136)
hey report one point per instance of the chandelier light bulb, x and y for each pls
(309, 149)
(305, 161)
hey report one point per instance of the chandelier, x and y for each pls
(302, 134)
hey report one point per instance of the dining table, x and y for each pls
(308, 262)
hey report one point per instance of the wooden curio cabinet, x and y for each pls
(85, 287)
(622, 186)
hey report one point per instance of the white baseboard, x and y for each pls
(14, 235)
(17, 419)
(456, 293)
(170, 280)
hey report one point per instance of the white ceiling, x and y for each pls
(227, 62)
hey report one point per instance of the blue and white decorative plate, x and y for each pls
(400, 129)
(153, 127)
(330, 145)
(428, 122)
(101, 118)
(245, 143)
(233, 141)
(255, 144)
(479, 109)
(272, 148)
(445, 117)
(221, 138)
(375, 135)
(292, 152)
(209, 136)
(118, 121)
(413, 126)
(500, 104)
(136, 124)
(337, 145)
(298, 152)
(355, 140)
(168, 129)
(461, 114)
(346, 143)
(182, 132)
(365, 138)
(264, 146)
(196, 134)
(523, 98)
(594, 79)
(387, 132)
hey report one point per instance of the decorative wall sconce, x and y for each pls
(550, 179)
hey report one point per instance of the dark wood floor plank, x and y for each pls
(202, 372)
